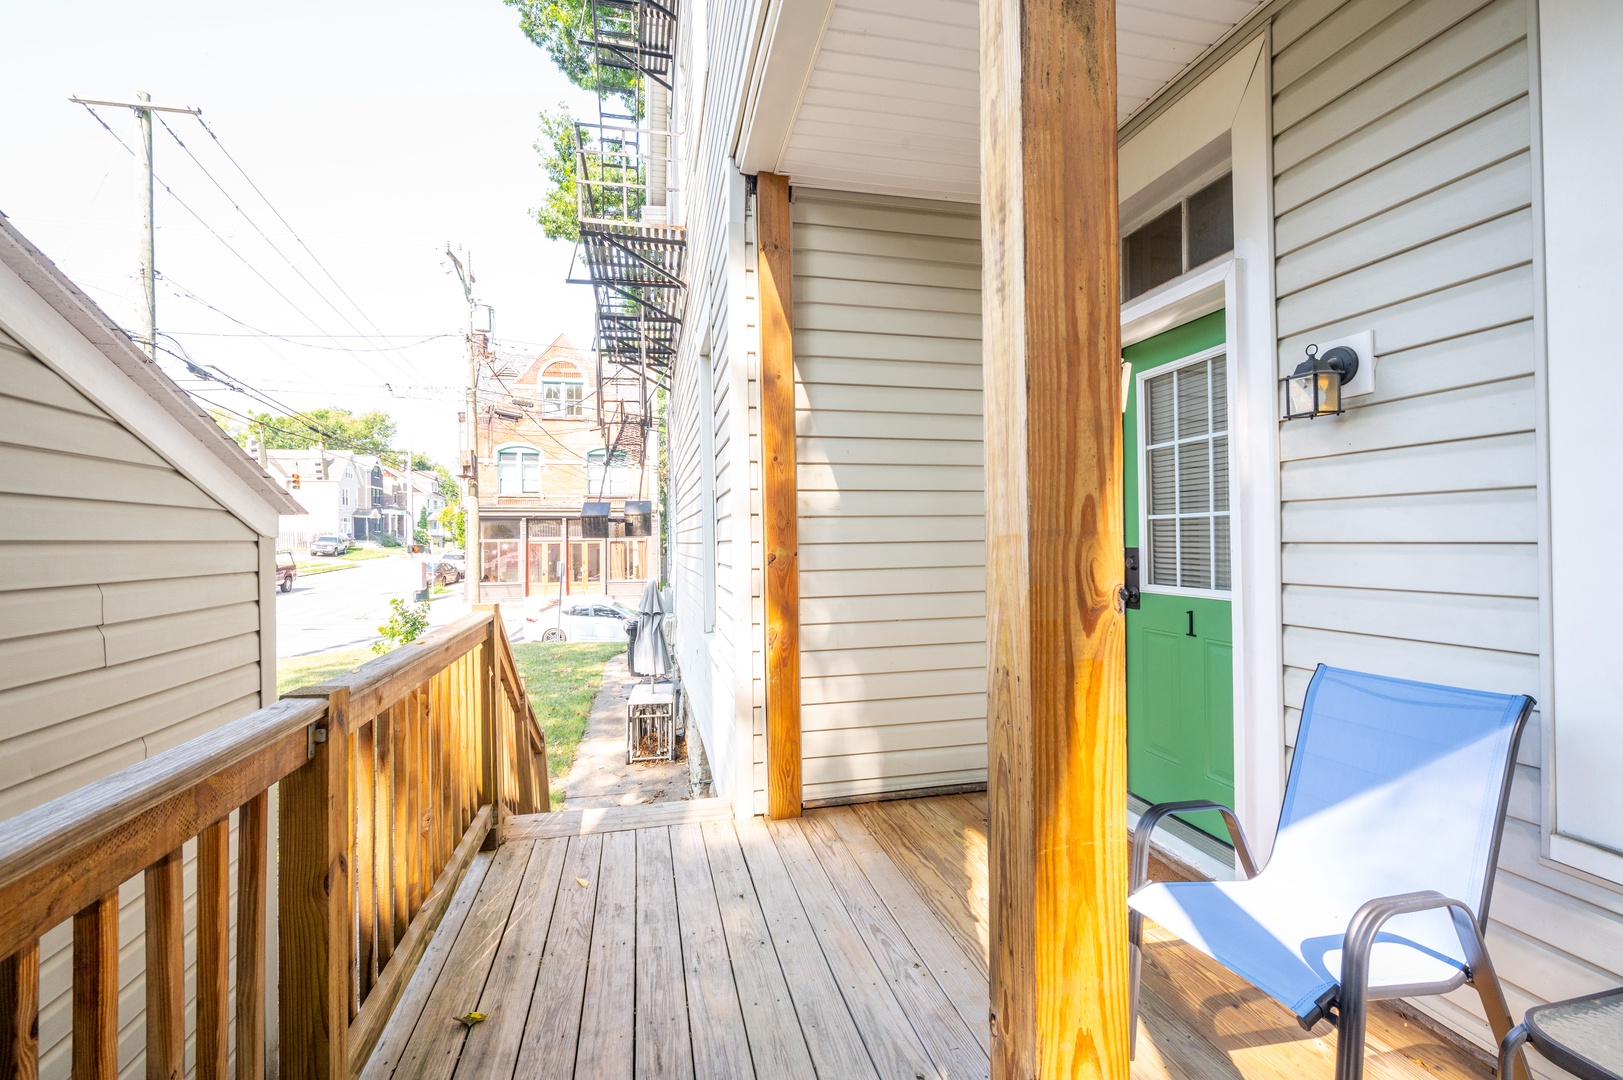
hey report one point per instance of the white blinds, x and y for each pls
(1185, 466)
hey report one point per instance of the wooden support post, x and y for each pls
(95, 990)
(779, 512)
(19, 1014)
(1057, 722)
(313, 901)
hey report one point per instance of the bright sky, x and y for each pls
(379, 130)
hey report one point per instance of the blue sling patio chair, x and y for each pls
(1382, 867)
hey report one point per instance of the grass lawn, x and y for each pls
(324, 565)
(562, 678)
(297, 671)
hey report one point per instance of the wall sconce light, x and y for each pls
(1314, 388)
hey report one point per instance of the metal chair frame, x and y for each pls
(1346, 1007)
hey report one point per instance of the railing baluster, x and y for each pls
(401, 828)
(414, 838)
(352, 991)
(449, 832)
(313, 902)
(213, 951)
(431, 789)
(253, 831)
(95, 990)
(365, 774)
(19, 1015)
(450, 829)
(490, 776)
(166, 968)
(382, 833)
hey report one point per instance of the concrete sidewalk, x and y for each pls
(600, 775)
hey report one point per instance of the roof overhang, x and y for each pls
(64, 328)
(884, 95)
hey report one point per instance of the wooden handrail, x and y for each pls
(391, 778)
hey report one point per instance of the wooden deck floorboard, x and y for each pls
(849, 943)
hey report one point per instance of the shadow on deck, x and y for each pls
(673, 941)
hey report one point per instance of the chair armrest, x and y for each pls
(1359, 938)
(1147, 822)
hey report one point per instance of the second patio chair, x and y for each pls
(1383, 864)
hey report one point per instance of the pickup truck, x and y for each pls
(286, 571)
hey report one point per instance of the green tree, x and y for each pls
(448, 487)
(366, 433)
(558, 214)
(455, 521)
(563, 28)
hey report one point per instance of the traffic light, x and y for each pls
(293, 482)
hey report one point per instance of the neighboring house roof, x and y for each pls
(282, 464)
(67, 332)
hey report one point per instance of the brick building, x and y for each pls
(546, 453)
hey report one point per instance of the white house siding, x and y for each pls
(129, 622)
(719, 329)
(1403, 201)
(891, 504)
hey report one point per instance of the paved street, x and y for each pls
(343, 608)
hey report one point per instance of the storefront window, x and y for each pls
(628, 560)
(586, 562)
(500, 558)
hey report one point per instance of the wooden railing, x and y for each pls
(388, 781)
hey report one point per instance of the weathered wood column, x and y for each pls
(1057, 722)
(779, 511)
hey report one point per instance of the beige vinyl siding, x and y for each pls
(129, 622)
(891, 493)
(1410, 526)
(718, 329)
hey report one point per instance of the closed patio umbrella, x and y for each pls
(650, 655)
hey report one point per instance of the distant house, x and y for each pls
(546, 449)
(328, 484)
(137, 569)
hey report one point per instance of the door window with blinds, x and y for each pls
(1185, 472)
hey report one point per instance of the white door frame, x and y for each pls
(1234, 102)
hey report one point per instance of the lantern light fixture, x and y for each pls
(1314, 388)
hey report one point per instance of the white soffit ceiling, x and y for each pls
(892, 102)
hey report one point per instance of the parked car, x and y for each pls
(444, 571)
(578, 618)
(286, 570)
(330, 545)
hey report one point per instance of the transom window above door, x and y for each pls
(1185, 468)
(1198, 229)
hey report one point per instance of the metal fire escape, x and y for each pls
(633, 257)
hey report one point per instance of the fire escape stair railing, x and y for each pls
(633, 259)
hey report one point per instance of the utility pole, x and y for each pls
(472, 555)
(144, 109)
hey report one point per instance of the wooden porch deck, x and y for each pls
(671, 941)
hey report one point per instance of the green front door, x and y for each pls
(1180, 651)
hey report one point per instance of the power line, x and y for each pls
(224, 242)
(231, 382)
(294, 339)
(298, 239)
